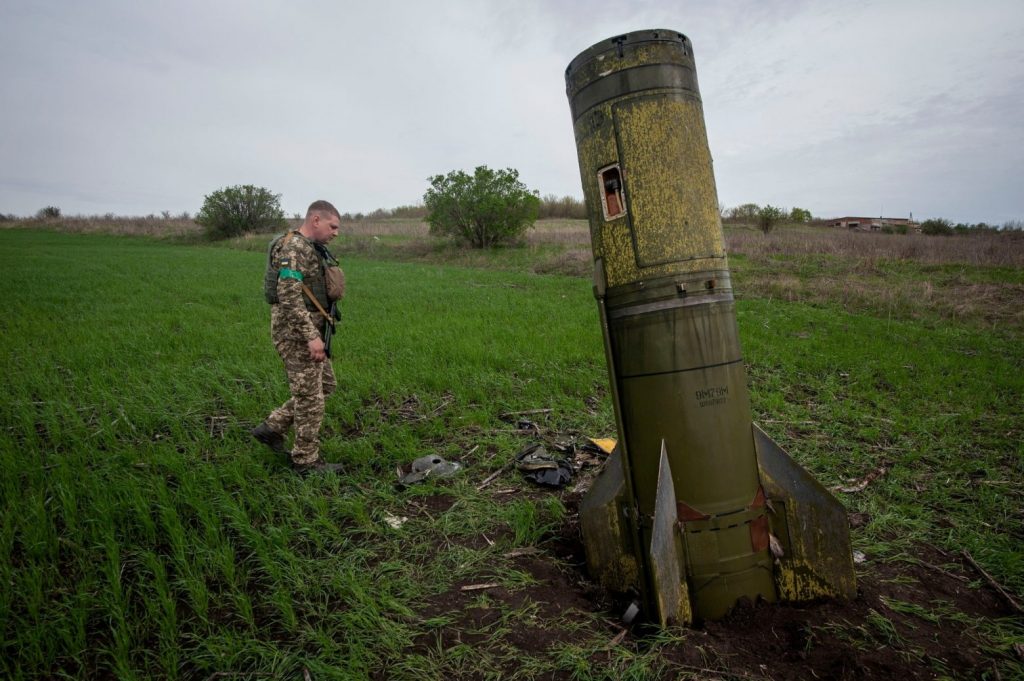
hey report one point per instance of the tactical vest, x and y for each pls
(314, 280)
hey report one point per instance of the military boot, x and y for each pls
(317, 467)
(270, 438)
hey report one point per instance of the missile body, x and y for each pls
(695, 494)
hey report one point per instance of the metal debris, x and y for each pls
(605, 444)
(429, 467)
(541, 467)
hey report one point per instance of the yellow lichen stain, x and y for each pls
(685, 607)
(672, 225)
(597, 150)
(629, 571)
(679, 613)
(797, 580)
(812, 569)
(605, 539)
(668, 175)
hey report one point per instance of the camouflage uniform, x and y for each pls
(294, 321)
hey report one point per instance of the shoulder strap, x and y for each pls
(309, 294)
(276, 245)
(283, 241)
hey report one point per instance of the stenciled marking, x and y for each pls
(709, 397)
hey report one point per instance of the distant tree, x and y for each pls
(48, 213)
(745, 213)
(237, 210)
(768, 216)
(1013, 225)
(800, 215)
(976, 229)
(486, 208)
(937, 226)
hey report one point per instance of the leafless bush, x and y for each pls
(411, 212)
(566, 207)
(370, 227)
(561, 232)
(547, 232)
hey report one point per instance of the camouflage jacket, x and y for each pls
(291, 317)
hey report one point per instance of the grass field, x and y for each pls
(143, 535)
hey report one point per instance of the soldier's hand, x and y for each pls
(316, 350)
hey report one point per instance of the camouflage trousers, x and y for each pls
(310, 383)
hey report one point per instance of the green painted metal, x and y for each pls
(666, 554)
(612, 558)
(810, 527)
(668, 317)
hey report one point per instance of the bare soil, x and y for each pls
(866, 638)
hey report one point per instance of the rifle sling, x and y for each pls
(309, 294)
(305, 289)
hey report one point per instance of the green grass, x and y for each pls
(143, 535)
(139, 521)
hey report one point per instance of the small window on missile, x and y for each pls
(610, 185)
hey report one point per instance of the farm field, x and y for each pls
(143, 534)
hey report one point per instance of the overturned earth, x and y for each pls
(915, 617)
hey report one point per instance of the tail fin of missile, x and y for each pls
(809, 526)
(666, 553)
(607, 531)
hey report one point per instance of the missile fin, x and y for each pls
(668, 575)
(607, 534)
(809, 525)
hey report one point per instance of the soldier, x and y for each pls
(297, 287)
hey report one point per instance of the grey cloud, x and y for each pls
(136, 108)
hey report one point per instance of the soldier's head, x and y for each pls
(322, 222)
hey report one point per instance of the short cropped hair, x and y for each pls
(322, 207)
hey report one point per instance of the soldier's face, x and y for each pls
(325, 227)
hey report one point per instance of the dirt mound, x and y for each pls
(910, 620)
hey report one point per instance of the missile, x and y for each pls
(697, 508)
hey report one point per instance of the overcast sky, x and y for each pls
(844, 108)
